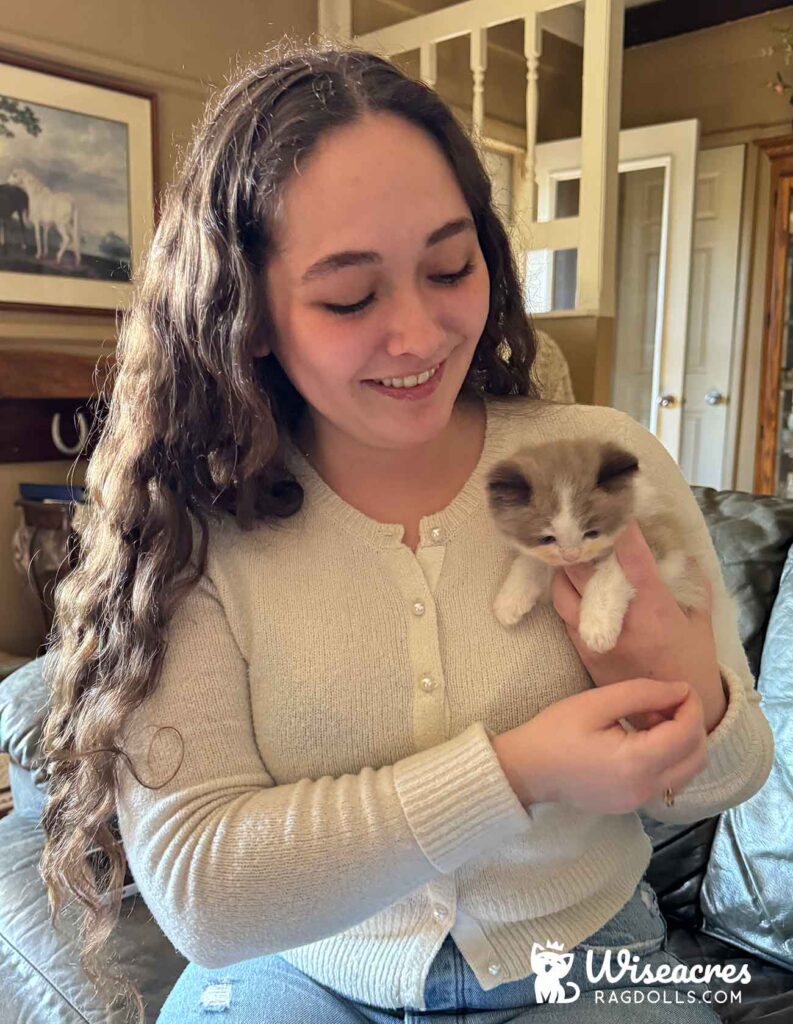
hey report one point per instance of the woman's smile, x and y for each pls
(410, 392)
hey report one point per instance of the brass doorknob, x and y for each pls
(666, 400)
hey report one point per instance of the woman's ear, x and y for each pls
(261, 349)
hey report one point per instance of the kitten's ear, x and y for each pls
(617, 466)
(508, 486)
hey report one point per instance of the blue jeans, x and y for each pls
(268, 990)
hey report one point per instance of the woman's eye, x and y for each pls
(548, 539)
(358, 307)
(591, 534)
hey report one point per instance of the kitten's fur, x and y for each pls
(565, 489)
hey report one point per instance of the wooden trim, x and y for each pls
(777, 147)
(51, 374)
(774, 313)
(738, 388)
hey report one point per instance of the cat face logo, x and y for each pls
(550, 965)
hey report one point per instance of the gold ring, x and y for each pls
(669, 796)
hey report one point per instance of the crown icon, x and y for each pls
(557, 946)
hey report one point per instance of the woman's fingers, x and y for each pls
(675, 740)
(632, 696)
(579, 574)
(635, 557)
(566, 599)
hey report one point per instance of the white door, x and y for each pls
(677, 264)
(636, 334)
(658, 218)
(705, 456)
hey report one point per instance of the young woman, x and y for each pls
(345, 790)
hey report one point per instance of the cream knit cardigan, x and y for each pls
(339, 801)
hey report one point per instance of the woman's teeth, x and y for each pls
(408, 382)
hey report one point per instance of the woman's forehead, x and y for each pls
(371, 182)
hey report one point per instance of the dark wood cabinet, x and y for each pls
(48, 404)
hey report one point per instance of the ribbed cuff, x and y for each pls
(740, 755)
(457, 799)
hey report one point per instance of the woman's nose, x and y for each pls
(415, 330)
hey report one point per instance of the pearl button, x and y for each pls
(418, 608)
(494, 969)
(439, 913)
(427, 683)
(436, 534)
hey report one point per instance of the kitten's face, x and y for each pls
(565, 501)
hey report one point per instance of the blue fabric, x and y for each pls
(268, 990)
(745, 896)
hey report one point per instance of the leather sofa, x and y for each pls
(41, 984)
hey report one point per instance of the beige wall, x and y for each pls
(177, 48)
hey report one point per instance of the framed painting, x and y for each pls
(77, 187)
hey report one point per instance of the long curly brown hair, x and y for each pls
(195, 425)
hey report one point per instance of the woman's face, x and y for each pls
(379, 191)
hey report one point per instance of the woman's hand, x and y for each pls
(576, 751)
(658, 639)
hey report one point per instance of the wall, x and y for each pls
(179, 49)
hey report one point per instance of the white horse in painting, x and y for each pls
(49, 209)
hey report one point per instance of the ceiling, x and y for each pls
(647, 21)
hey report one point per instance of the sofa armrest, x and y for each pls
(23, 708)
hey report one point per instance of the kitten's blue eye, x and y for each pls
(547, 539)
(591, 534)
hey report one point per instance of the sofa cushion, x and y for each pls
(39, 980)
(23, 707)
(767, 999)
(746, 891)
(752, 534)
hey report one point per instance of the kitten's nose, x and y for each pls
(571, 554)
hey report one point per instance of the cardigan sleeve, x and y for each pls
(233, 866)
(741, 746)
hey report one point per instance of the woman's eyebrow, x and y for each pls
(352, 258)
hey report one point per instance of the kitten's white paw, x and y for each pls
(509, 608)
(600, 636)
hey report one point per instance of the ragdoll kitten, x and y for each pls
(565, 502)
